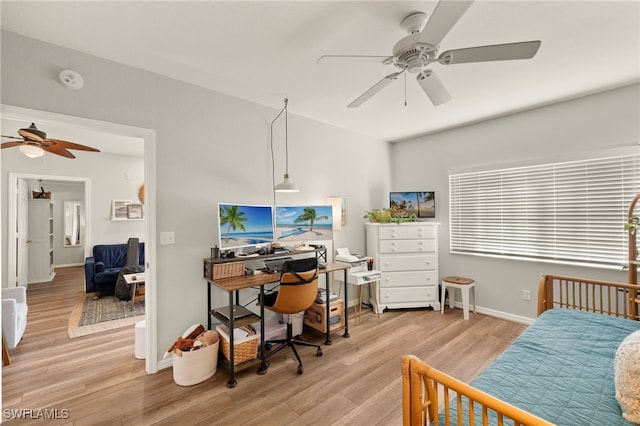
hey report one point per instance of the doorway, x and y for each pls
(148, 137)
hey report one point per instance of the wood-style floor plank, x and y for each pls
(357, 380)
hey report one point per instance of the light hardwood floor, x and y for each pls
(356, 382)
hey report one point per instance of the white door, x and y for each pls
(21, 232)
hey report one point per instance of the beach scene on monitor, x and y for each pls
(244, 225)
(422, 204)
(304, 223)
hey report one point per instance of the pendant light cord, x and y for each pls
(273, 161)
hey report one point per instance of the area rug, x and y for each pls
(93, 315)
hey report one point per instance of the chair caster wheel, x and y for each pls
(300, 369)
(319, 352)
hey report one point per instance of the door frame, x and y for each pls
(149, 137)
(12, 215)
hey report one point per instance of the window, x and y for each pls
(572, 212)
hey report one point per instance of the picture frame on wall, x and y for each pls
(135, 212)
(119, 210)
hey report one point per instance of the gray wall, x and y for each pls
(563, 131)
(210, 147)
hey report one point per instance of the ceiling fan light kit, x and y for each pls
(419, 48)
(31, 151)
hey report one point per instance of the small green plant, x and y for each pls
(633, 226)
(388, 216)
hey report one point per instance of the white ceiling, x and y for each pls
(264, 51)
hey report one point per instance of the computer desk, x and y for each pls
(235, 284)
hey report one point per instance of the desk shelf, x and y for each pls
(237, 322)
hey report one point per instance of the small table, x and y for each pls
(363, 277)
(134, 280)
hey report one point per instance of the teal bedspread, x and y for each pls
(561, 368)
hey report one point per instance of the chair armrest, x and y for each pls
(17, 293)
(9, 318)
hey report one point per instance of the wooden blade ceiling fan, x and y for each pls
(33, 142)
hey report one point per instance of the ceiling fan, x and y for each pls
(420, 48)
(33, 142)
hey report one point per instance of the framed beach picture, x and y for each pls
(134, 211)
(304, 223)
(119, 209)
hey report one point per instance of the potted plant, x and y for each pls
(388, 216)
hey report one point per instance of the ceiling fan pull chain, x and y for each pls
(405, 89)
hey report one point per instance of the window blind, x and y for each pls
(571, 212)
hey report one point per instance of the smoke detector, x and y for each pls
(71, 79)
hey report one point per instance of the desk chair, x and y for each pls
(298, 290)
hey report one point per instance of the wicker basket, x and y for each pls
(227, 270)
(244, 349)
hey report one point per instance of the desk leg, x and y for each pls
(346, 311)
(263, 363)
(328, 312)
(209, 305)
(232, 379)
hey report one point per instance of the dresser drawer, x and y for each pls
(407, 232)
(408, 263)
(403, 294)
(409, 279)
(407, 246)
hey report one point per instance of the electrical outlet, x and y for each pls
(526, 295)
(167, 238)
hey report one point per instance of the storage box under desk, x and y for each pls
(316, 315)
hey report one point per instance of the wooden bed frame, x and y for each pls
(424, 388)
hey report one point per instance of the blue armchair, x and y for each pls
(102, 269)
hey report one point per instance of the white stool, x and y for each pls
(464, 284)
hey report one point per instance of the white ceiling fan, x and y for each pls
(420, 48)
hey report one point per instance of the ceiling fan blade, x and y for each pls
(12, 137)
(374, 89)
(72, 145)
(433, 87)
(11, 144)
(495, 52)
(58, 149)
(443, 18)
(353, 58)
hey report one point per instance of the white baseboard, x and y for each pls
(68, 265)
(498, 314)
(165, 363)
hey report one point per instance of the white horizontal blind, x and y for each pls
(571, 212)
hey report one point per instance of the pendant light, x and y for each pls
(286, 185)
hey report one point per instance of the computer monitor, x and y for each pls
(422, 204)
(243, 225)
(304, 223)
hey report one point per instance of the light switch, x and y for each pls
(168, 237)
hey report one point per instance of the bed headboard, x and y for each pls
(603, 297)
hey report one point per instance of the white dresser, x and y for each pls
(407, 256)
